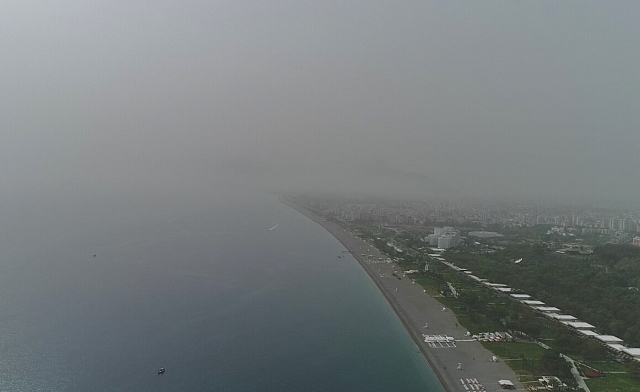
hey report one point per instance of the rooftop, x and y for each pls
(563, 317)
(579, 325)
(617, 347)
(549, 309)
(608, 338)
(533, 302)
(587, 332)
(634, 352)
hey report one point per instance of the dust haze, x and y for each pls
(522, 100)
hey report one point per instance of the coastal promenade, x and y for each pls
(461, 366)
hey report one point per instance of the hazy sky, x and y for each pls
(528, 99)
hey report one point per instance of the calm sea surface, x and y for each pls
(210, 293)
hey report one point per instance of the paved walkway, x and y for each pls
(576, 373)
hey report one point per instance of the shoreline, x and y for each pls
(414, 308)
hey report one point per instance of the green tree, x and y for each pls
(592, 351)
(632, 336)
(633, 369)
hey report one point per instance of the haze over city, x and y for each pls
(319, 195)
(525, 100)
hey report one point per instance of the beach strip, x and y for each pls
(460, 363)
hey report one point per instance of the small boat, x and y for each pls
(160, 371)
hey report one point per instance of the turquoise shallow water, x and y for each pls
(209, 293)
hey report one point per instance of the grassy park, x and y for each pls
(525, 358)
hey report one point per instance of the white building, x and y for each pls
(448, 237)
(444, 242)
(432, 239)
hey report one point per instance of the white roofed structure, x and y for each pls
(634, 352)
(579, 325)
(608, 339)
(548, 309)
(617, 347)
(506, 384)
(533, 302)
(563, 317)
(504, 289)
(588, 332)
(520, 296)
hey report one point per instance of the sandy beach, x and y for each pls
(463, 365)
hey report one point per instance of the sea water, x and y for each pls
(231, 294)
